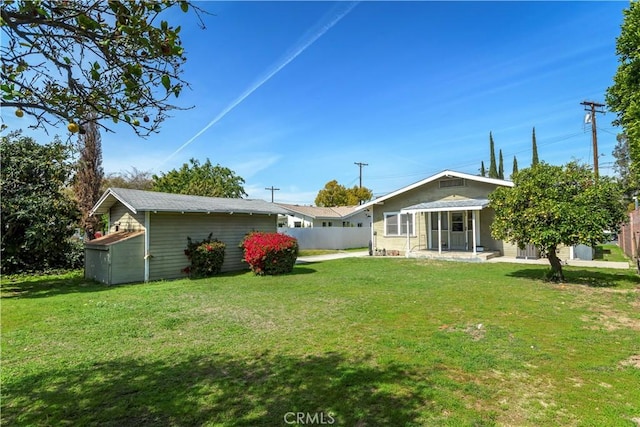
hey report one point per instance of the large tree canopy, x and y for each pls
(200, 180)
(623, 97)
(65, 60)
(549, 206)
(38, 214)
(334, 194)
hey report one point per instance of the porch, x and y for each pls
(452, 229)
(453, 255)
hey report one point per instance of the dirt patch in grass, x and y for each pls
(611, 320)
(524, 399)
(633, 361)
(476, 331)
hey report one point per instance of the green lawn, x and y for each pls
(360, 341)
(610, 252)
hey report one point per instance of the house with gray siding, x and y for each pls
(147, 232)
(446, 213)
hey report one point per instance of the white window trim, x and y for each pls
(398, 215)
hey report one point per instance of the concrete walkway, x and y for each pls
(541, 261)
(570, 262)
(327, 257)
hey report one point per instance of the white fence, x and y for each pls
(329, 237)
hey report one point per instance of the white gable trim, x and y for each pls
(443, 174)
(103, 200)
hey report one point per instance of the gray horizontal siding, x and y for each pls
(127, 260)
(169, 232)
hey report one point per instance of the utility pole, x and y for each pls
(272, 188)
(593, 108)
(361, 165)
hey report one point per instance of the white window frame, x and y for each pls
(398, 215)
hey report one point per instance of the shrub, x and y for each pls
(206, 257)
(270, 253)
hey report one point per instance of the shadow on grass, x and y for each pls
(36, 286)
(592, 278)
(41, 286)
(223, 390)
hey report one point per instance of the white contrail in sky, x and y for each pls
(262, 81)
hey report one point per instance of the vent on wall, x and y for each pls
(456, 182)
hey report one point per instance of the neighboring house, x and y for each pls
(147, 232)
(313, 216)
(446, 212)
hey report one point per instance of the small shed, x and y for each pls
(115, 258)
(147, 232)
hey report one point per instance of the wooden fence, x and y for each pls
(629, 236)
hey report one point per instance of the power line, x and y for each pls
(594, 108)
(272, 188)
(361, 165)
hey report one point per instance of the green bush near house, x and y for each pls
(206, 256)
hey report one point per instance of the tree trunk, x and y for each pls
(556, 266)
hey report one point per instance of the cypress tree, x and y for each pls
(501, 166)
(515, 166)
(483, 171)
(534, 149)
(493, 170)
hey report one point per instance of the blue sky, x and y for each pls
(299, 91)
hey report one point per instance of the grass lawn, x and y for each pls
(610, 252)
(360, 341)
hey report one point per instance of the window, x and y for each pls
(360, 225)
(457, 221)
(297, 224)
(395, 224)
(444, 219)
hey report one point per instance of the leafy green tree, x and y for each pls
(200, 180)
(483, 171)
(534, 149)
(333, 194)
(118, 59)
(623, 97)
(622, 166)
(88, 178)
(38, 214)
(493, 169)
(358, 195)
(549, 206)
(500, 166)
(515, 167)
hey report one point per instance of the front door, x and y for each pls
(458, 232)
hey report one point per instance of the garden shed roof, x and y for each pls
(141, 201)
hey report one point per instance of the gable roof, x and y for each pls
(315, 212)
(140, 201)
(443, 174)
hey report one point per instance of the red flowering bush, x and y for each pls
(270, 253)
(206, 257)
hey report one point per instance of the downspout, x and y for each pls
(147, 256)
